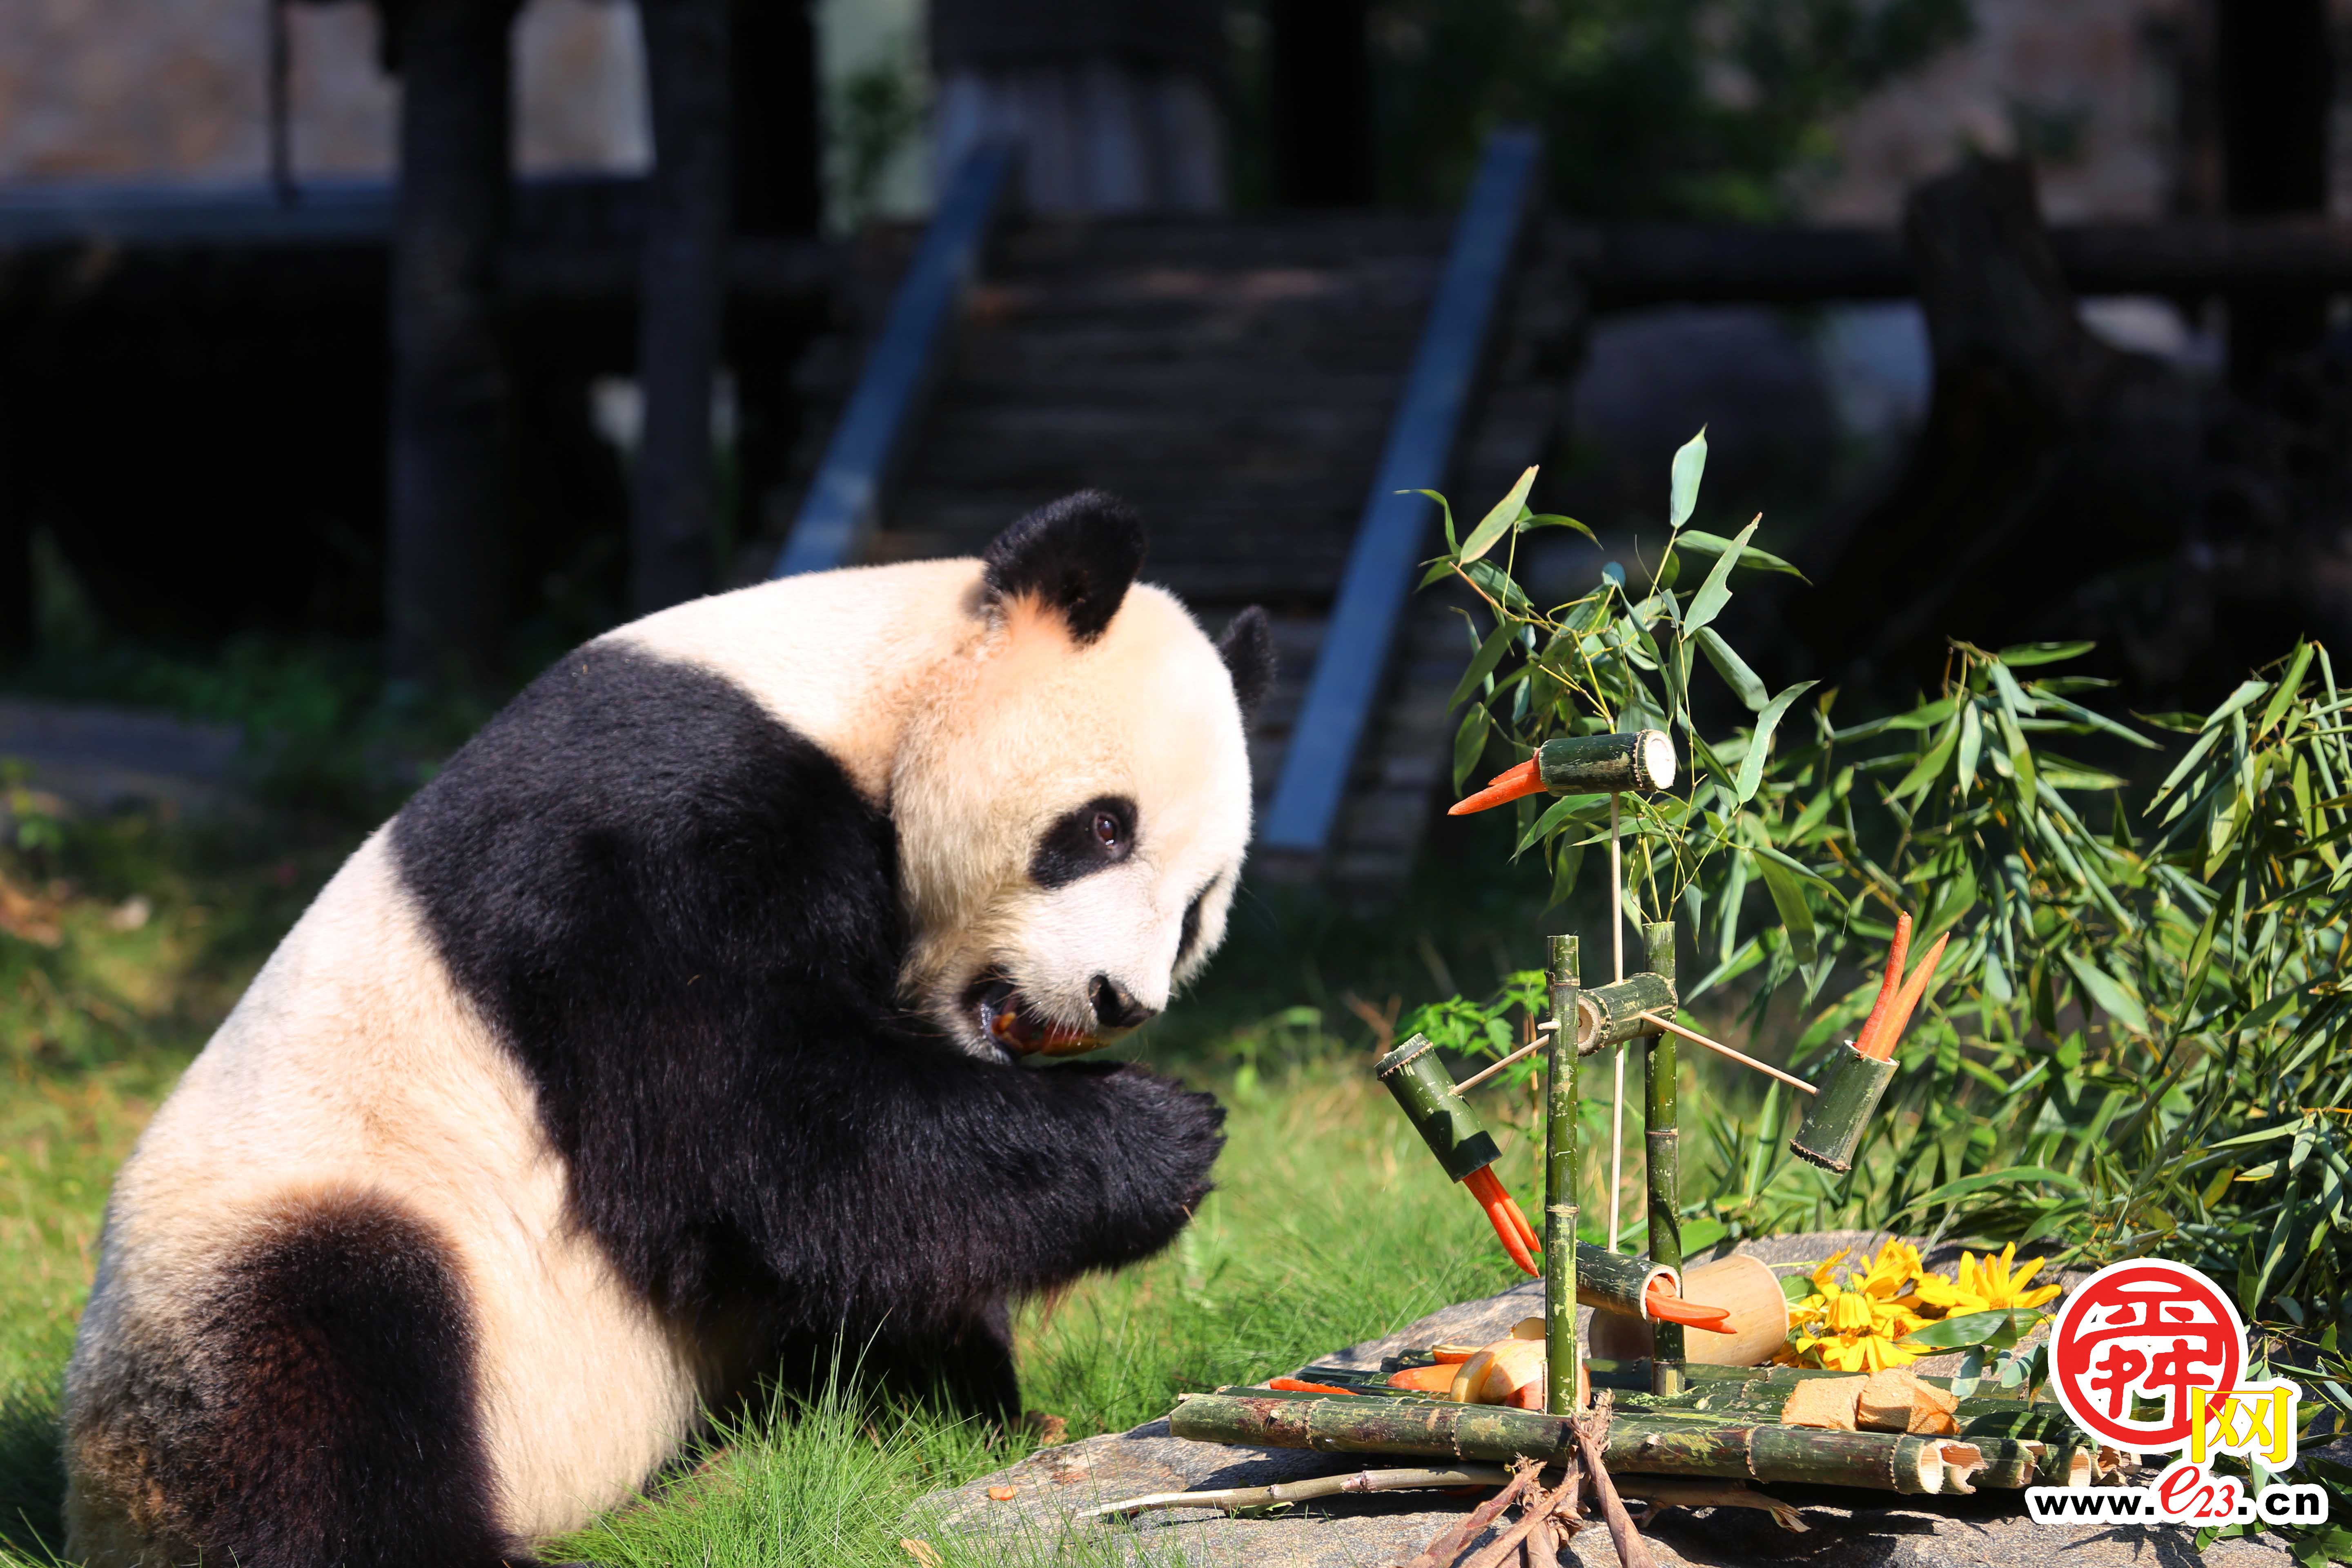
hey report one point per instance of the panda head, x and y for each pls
(1072, 801)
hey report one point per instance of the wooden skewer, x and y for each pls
(1483, 1074)
(1696, 1038)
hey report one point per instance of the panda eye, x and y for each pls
(1092, 838)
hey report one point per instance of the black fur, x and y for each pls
(328, 1416)
(684, 920)
(1078, 555)
(1190, 931)
(1074, 846)
(1247, 649)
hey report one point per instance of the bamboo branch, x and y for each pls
(1506, 1546)
(1719, 1048)
(1450, 1542)
(1231, 1498)
(1631, 1550)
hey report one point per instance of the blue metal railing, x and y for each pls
(844, 497)
(1423, 435)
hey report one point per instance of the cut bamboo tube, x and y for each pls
(1643, 761)
(1560, 1182)
(1745, 1285)
(1836, 1120)
(1426, 1092)
(1633, 1444)
(1662, 1143)
(1622, 1010)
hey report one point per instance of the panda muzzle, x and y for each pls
(1011, 1024)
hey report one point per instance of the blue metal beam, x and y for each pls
(846, 495)
(1395, 529)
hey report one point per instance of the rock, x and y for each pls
(1846, 1529)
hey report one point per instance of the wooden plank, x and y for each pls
(1422, 436)
(844, 497)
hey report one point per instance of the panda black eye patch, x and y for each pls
(1090, 838)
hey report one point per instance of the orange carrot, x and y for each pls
(1526, 1231)
(1496, 1203)
(1887, 983)
(1666, 1309)
(1501, 789)
(1295, 1386)
(1915, 991)
(1424, 1379)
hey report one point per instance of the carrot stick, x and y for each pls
(1496, 1202)
(1915, 991)
(1526, 1231)
(1887, 984)
(1501, 789)
(1295, 1386)
(1666, 1309)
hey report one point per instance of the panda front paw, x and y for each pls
(1170, 1138)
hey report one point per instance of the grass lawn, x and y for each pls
(123, 942)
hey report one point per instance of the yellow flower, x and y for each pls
(1853, 1322)
(1986, 1285)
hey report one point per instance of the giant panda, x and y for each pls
(692, 1020)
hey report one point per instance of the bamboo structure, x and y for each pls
(1662, 1167)
(1433, 1105)
(1607, 764)
(1839, 1115)
(1609, 1015)
(1637, 1443)
(1560, 1182)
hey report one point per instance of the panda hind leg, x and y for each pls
(334, 1418)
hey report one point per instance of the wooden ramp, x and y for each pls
(1239, 381)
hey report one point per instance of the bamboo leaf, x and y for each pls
(1557, 815)
(1689, 464)
(1971, 743)
(1482, 663)
(1698, 542)
(1498, 585)
(1759, 745)
(1743, 683)
(1998, 1331)
(1925, 772)
(1469, 742)
(2289, 684)
(1445, 507)
(1553, 520)
(2025, 654)
(2106, 991)
(1789, 898)
(1715, 592)
(1498, 523)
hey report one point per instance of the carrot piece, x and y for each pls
(1425, 1379)
(1657, 1305)
(1889, 983)
(1526, 1231)
(1496, 1202)
(1501, 789)
(1915, 991)
(1297, 1385)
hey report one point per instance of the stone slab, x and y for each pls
(1845, 1529)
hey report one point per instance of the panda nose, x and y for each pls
(1114, 1008)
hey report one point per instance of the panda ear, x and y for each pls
(1076, 557)
(1247, 649)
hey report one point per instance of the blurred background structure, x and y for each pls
(455, 331)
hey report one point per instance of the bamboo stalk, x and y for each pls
(1719, 1048)
(1616, 977)
(1359, 1482)
(1634, 1445)
(1560, 1182)
(1663, 1168)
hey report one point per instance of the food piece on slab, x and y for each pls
(1755, 1332)
(1438, 1379)
(1824, 1402)
(1895, 1400)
